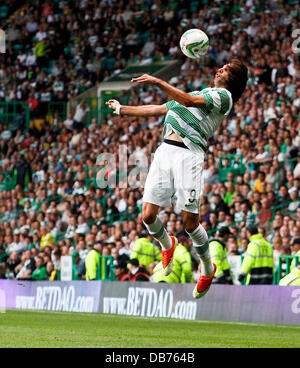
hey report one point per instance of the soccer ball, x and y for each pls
(194, 43)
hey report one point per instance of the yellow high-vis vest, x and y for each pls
(146, 252)
(292, 279)
(218, 253)
(91, 264)
(182, 268)
(258, 262)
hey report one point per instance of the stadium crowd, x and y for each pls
(51, 203)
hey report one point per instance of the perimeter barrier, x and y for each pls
(258, 304)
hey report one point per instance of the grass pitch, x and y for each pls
(34, 329)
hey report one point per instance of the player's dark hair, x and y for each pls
(237, 78)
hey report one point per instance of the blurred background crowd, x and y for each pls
(50, 202)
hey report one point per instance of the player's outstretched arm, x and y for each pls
(174, 93)
(143, 110)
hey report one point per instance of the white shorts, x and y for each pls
(175, 177)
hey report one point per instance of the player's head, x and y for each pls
(232, 76)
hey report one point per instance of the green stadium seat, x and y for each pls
(3, 12)
(182, 11)
(17, 47)
(173, 4)
(144, 37)
(110, 63)
(194, 6)
(235, 166)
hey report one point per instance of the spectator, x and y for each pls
(68, 123)
(218, 204)
(52, 274)
(111, 211)
(47, 238)
(33, 105)
(24, 172)
(259, 183)
(78, 265)
(295, 251)
(233, 249)
(79, 115)
(56, 259)
(136, 271)
(277, 245)
(121, 271)
(82, 226)
(243, 245)
(265, 210)
(283, 197)
(40, 272)
(26, 267)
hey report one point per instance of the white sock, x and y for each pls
(158, 231)
(200, 242)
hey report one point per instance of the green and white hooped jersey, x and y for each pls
(195, 125)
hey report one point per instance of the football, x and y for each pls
(194, 43)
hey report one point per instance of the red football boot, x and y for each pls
(167, 257)
(203, 285)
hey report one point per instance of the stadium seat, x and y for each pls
(3, 11)
(110, 63)
(144, 37)
(194, 6)
(17, 47)
(235, 166)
